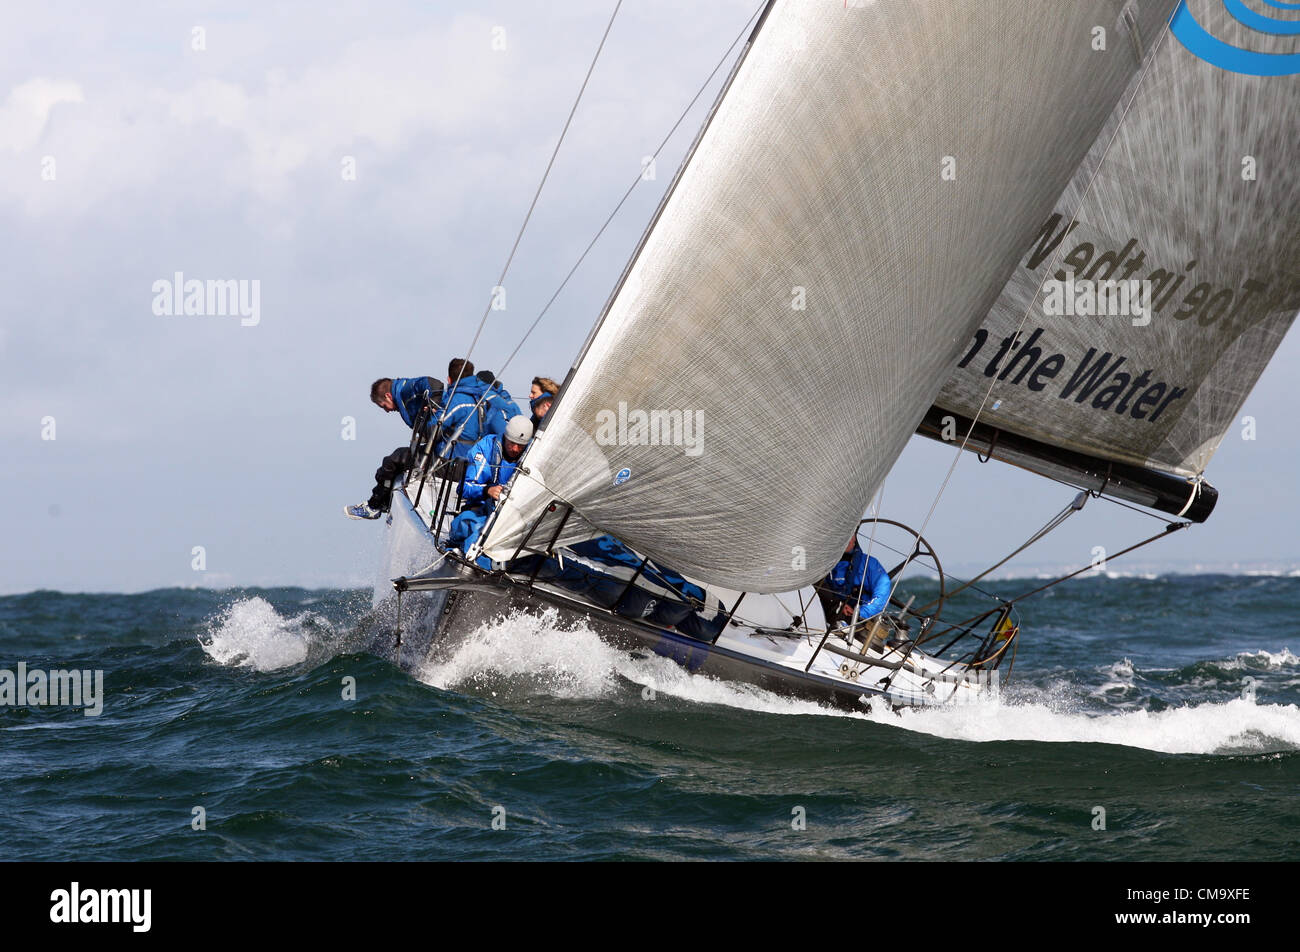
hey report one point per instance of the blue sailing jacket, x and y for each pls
(488, 466)
(464, 413)
(500, 408)
(846, 579)
(408, 394)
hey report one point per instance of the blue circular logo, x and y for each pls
(623, 476)
(1201, 43)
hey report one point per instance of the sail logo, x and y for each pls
(637, 427)
(1227, 56)
(1141, 397)
(1092, 260)
(59, 688)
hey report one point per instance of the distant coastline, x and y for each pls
(960, 570)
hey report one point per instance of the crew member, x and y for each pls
(855, 576)
(540, 398)
(464, 419)
(407, 396)
(501, 407)
(492, 462)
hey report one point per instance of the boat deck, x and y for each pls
(786, 632)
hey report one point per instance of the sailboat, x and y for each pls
(868, 240)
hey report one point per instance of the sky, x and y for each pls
(368, 167)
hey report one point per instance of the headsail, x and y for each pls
(860, 195)
(1197, 196)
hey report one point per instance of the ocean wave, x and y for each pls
(1263, 658)
(530, 650)
(250, 633)
(529, 653)
(1228, 727)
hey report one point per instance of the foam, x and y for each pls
(577, 664)
(1262, 658)
(252, 634)
(1230, 727)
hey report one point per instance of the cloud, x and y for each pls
(225, 164)
(26, 111)
(247, 134)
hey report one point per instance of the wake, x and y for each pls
(526, 652)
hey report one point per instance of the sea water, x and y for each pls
(1144, 719)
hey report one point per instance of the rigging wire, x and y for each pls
(1118, 502)
(1170, 527)
(515, 247)
(537, 194)
(631, 188)
(1076, 505)
(1055, 258)
(621, 202)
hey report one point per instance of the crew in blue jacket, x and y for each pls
(501, 406)
(466, 409)
(406, 396)
(845, 584)
(492, 462)
(465, 418)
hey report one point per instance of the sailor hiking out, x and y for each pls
(464, 410)
(406, 396)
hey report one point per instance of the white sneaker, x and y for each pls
(361, 511)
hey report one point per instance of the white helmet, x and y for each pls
(519, 430)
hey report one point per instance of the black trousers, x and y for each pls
(831, 606)
(394, 463)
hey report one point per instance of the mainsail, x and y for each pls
(848, 216)
(1196, 195)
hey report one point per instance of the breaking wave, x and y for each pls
(1229, 727)
(529, 654)
(252, 634)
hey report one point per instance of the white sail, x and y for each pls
(857, 200)
(1197, 196)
